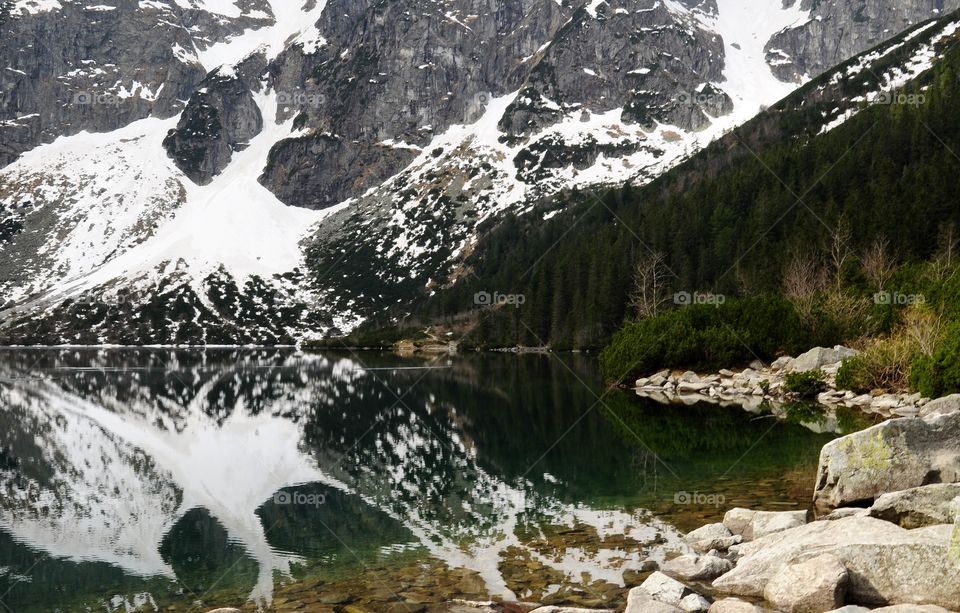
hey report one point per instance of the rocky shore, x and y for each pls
(883, 534)
(767, 383)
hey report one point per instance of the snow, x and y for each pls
(291, 20)
(750, 25)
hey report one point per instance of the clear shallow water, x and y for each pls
(179, 480)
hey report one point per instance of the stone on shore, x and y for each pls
(813, 586)
(692, 567)
(711, 536)
(917, 507)
(891, 456)
(767, 522)
(556, 609)
(820, 356)
(738, 519)
(912, 608)
(942, 406)
(694, 603)
(661, 588)
(885, 562)
(733, 605)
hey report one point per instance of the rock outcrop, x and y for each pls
(221, 118)
(891, 456)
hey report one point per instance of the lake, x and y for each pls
(149, 479)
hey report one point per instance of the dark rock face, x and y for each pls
(649, 62)
(87, 66)
(840, 29)
(402, 71)
(221, 118)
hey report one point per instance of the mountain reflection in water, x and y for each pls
(127, 473)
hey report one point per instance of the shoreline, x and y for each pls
(767, 383)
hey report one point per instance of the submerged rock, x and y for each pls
(886, 563)
(813, 586)
(896, 454)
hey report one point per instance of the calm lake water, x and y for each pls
(142, 480)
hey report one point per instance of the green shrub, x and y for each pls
(939, 374)
(883, 364)
(705, 337)
(805, 384)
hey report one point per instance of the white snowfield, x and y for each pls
(127, 213)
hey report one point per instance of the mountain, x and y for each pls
(255, 171)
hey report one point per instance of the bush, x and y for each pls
(805, 384)
(883, 364)
(705, 337)
(939, 374)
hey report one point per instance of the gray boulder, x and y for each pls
(694, 567)
(896, 454)
(738, 519)
(813, 586)
(820, 356)
(917, 507)
(941, 406)
(885, 562)
(661, 588)
(733, 605)
(693, 603)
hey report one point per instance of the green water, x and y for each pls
(149, 479)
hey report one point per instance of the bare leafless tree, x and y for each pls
(878, 263)
(839, 248)
(945, 260)
(649, 293)
(803, 279)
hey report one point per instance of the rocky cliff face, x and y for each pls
(331, 158)
(72, 65)
(837, 30)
